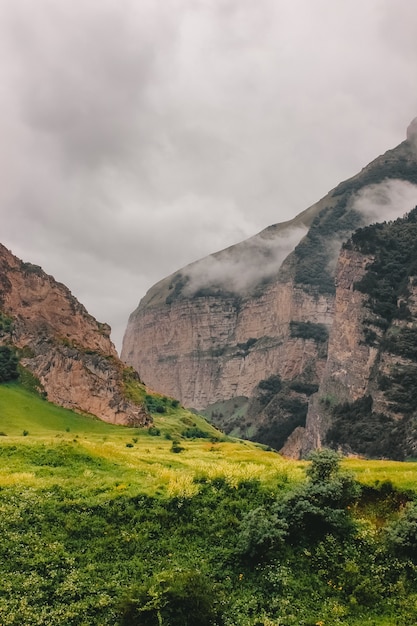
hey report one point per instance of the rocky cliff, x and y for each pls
(65, 349)
(367, 400)
(244, 334)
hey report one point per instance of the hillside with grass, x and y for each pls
(176, 525)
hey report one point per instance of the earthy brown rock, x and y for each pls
(211, 349)
(62, 345)
(205, 336)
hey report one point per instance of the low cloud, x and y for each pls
(244, 266)
(386, 201)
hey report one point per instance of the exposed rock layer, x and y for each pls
(62, 345)
(217, 340)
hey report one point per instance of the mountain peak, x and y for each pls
(412, 131)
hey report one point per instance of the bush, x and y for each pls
(260, 532)
(322, 505)
(175, 598)
(402, 534)
(195, 433)
(8, 364)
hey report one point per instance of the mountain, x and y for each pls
(367, 400)
(63, 351)
(256, 335)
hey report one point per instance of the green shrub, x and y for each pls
(268, 388)
(8, 364)
(322, 505)
(174, 598)
(309, 330)
(261, 531)
(176, 447)
(402, 534)
(195, 433)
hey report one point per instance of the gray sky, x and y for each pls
(140, 135)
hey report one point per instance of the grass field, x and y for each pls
(104, 525)
(138, 461)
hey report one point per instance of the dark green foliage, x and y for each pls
(195, 433)
(402, 533)
(325, 465)
(309, 330)
(399, 168)
(269, 388)
(29, 381)
(176, 447)
(315, 253)
(401, 388)
(8, 364)
(244, 348)
(159, 404)
(261, 531)
(30, 268)
(403, 343)
(153, 431)
(6, 324)
(394, 246)
(321, 506)
(178, 283)
(306, 515)
(224, 557)
(306, 388)
(175, 598)
(355, 425)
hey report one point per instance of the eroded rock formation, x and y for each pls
(64, 347)
(253, 321)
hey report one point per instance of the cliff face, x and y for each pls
(210, 349)
(366, 401)
(64, 347)
(252, 322)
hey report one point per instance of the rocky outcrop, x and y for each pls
(64, 347)
(366, 401)
(256, 316)
(210, 349)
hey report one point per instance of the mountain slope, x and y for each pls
(250, 324)
(65, 349)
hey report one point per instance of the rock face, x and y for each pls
(64, 347)
(253, 321)
(367, 400)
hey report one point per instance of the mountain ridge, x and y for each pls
(211, 342)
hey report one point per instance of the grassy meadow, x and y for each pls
(103, 524)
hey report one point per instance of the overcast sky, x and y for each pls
(140, 135)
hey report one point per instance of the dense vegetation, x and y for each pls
(86, 541)
(394, 247)
(316, 252)
(390, 328)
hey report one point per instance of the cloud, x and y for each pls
(386, 201)
(139, 136)
(240, 269)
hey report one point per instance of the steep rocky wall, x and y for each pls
(62, 345)
(366, 400)
(206, 334)
(206, 349)
(350, 361)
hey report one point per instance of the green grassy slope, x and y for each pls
(105, 525)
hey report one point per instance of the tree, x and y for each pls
(8, 364)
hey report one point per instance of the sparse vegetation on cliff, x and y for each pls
(309, 330)
(315, 253)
